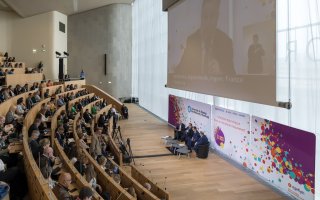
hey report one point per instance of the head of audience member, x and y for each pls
(147, 186)
(190, 126)
(102, 161)
(98, 131)
(65, 179)
(85, 193)
(48, 152)
(90, 173)
(35, 134)
(20, 101)
(44, 143)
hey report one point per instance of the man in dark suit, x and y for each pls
(102, 120)
(179, 130)
(203, 140)
(87, 116)
(208, 51)
(34, 145)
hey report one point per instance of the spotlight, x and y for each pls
(58, 53)
(65, 53)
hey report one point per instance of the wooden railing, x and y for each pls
(142, 179)
(14, 79)
(52, 90)
(118, 156)
(5, 106)
(79, 83)
(110, 99)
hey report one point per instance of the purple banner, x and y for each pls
(189, 111)
(285, 156)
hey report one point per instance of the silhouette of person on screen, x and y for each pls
(255, 53)
(208, 51)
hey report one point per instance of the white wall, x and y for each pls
(149, 58)
(20, 36)
(6, 19)
(60, 41)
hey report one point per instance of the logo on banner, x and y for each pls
(219, 137)
(198, 112)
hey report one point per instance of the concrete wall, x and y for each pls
(92, 34)
(21, 36)
(6, 19)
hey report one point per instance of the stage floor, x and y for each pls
(187, 178)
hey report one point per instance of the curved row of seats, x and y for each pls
(38, 185)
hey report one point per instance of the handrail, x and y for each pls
(155, 189)
(110, 99)
(5, 106)
(52, 89)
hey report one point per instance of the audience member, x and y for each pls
(61, 190)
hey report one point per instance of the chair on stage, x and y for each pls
(203, 151)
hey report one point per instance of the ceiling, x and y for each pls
(27, 8)
(4, 6)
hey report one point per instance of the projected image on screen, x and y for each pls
(224, 48)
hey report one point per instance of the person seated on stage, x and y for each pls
(203, 140)
(125, 112)
(85, 193)
(91, 177)
(87, 116)
(195, 137)
(61, 190)
(187, 133)
(179, 131)
(189, 139)
(34, 145)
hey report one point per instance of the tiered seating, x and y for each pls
(39, 186)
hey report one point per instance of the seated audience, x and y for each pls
(91, 177)
(85, 193)
(61, 188)
(34, 145)
(87, 116)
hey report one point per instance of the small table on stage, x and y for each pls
(184, 151)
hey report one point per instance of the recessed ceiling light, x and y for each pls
(109, 82)
(34, 50)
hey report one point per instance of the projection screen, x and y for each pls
(225, 48)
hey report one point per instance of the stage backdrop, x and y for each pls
(189, 111)
(231, 134)
(284, 156)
